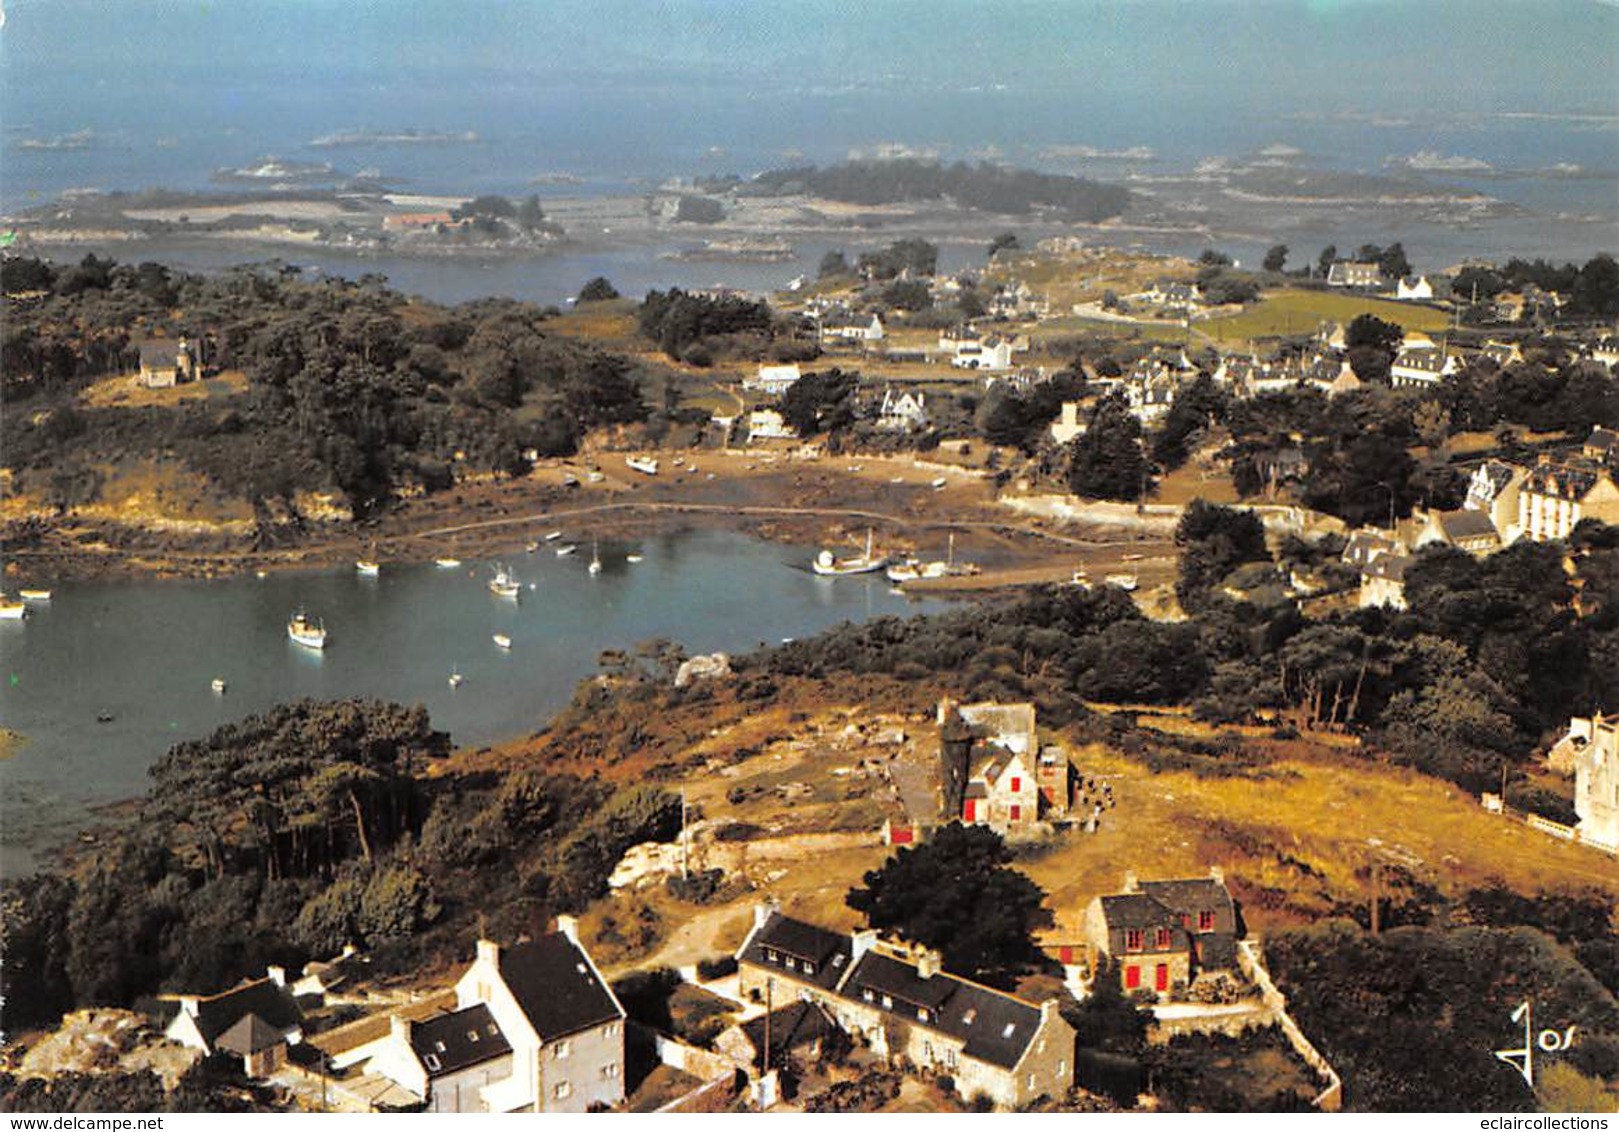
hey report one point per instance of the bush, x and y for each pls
(710, 969)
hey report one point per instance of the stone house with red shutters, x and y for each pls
(1162, 935)
(994, 771)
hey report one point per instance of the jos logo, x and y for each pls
(1547, 1041)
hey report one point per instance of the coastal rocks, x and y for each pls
(714, 666)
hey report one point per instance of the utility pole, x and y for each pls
(769, 985)
(685, 848)
(1377, 896)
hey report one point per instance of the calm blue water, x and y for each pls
(145, 652)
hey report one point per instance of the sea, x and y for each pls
(571, 99)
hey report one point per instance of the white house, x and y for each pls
(1349, 273)
(989, 354)
(1067, 425)
(1596, 780)
(1413, 288)
(903, 412)
(1421, 366)
(768, 424)
(774, 380)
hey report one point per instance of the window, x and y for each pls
(562, 1049)
(1017, 785)
(921, 1014)
(433, 1063)
(562, 1091)
(472, 1035)
(1031, 1080)
(1062, 1068)
(867, 995)
(1163, 939)
(792, 964)
(609, 1071)
(1205, 921)
(1017, 812)
(1132, 939)
(1132, 977)
(439, 1046)
(770, 954)
(888, 1002)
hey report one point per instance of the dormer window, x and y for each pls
(472, 1035)
(792, 964)
(921, 1014)
(867, 995)
(1205, 921)
(809, 968)
(1132, 939)
(770, 954)
(1163, 939)
(888, 1002)
(837, 960)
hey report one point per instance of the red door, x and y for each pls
(1160, 977)
(1132, 977)
(968, 813)
(1065, 955)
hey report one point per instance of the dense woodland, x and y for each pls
(351, 388)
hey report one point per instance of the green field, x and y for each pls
(1301, 312)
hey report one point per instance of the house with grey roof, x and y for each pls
(255, 1021)
(1556, 497)
(1350, 273)
(1471, 531)
(895, 999)
(535, 1028)
(1163, 935)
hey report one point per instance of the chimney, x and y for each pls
(863, 941)
(947, 707)
(762, 911)
(278, 975)
(189, 1004)
(399, 1028)
(489, 953)
(1048, 1010)
(348, 950)
(1131, 884)
(927, 962)
(1217, 874)
(569, 926)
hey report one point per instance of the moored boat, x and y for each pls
(553, 536)
(502, 641)
(595, 559)
(34, 595)
(218, 685)
(367, 568)
(829, 565)
(504, 583)
(455, 678)
(646, 465)
(566, 549)
(306, 630)
(12, 609)
(446, 563)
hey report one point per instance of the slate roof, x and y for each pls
(1464, 526)
(1389, 566)
(1562, 482)
(557, 987)
(273, 1004)
(830, 952)
(1137, 910)
(1194, 895)
(251, 1034)
(1603, 440)
(456, 1041)
(160, 354)
(994, 1027)
(1498, 474)
(790, 1028)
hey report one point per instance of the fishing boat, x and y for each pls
(367, 567)
(913, 568)
(566, 549)
(829, 565)
(634, 557)
(502, 641)
(218, 685)
(12, 609)
(504, 583)
(553, 536)
(306, 630)
(455, 678)
(646, 465)
(34, 595)
(446, 563)
(595, 559)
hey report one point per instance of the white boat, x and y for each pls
(829, 565)
(634, 557)
(913, 568)
(566, 549)
(570, 480)
(1123, 581)
(532, 547)
(367, 568)
(455, 678)
(595, 477)
(218, 685)
(502, 641)
(553, 536)
(446, 563)
(643, 464)
(34, 595)
(939, 484)
(12, 609)
(595, 566)
(504, 583)
(306, 630)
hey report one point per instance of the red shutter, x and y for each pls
(1160, 977)
(1132, 977)
(1017, 812)
(967, 812)
(1065, 955)
(1017, 785)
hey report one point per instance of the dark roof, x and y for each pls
(994, 1027)
(1563, 482)
(273, 1004)
(829, 951)
(160, 354)
(1390, 566)
(251, 1034)
(899, 980)
(455, 1041)
(1217, 950)
(557, 987)
(1195, 895)
(1136, 910)
(790, 1027)
(1459, 525)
